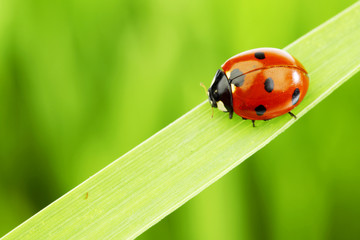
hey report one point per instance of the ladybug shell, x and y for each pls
(265, 83)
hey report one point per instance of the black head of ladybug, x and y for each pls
(220, 93)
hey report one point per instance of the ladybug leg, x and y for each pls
(244, 118)
(293, 115)
(253, 123)
(230, 115)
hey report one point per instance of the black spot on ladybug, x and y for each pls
(260, 55)
(235, 73)
(269, 85)
(239, 81)
(295, 96)
(260, 110)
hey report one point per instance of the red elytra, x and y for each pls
(259, 84)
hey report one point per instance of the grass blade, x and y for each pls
(161, 174)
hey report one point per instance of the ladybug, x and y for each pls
(259, 84)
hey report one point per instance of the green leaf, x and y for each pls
(152, 180)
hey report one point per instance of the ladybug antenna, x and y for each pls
(206, 91)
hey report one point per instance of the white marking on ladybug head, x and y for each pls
(221, 106)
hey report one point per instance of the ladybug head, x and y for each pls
(220, 93)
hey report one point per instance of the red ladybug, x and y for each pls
(259, 84)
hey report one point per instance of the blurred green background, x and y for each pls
(82, 82)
